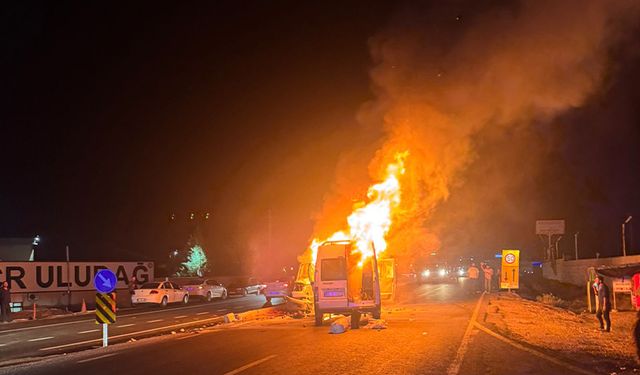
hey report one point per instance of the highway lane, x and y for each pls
(432, 332)
(64, 335)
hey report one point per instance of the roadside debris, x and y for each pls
(340, 325)
(230, 317)
(376, 324)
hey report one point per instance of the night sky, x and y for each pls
(116, 116)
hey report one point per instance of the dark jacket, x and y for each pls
(603, 293)
(5, 296)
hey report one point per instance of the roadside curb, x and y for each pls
(259, 313)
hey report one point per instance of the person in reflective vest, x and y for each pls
(474, 277)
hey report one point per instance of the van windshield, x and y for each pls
(333, 269)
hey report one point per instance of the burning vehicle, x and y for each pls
(302, 289)
(345, 283)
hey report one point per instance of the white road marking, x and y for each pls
(89, 331)
(249, 365)
(96, 358)
(155, 321)
(202, 313)
(41, 338)
(532, 351)
(126, 325)
(195, 322)
(132, 316)
(454, 368)
(179, 317)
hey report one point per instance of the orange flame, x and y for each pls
(370, 221)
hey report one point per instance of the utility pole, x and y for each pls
(68, 281)
(624, 240)
(575, 236)
(557, 249)
(270, 225)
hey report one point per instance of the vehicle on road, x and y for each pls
(344, 284)
(244, 286)
(388, 271)
(160, 293)
(277, 289)
(207, 289)
(302, 288)
(437, 273)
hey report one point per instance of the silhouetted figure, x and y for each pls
(5, 299)
(604, 305)
(636, 335)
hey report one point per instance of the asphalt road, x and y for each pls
(65, 334)
(430, 331)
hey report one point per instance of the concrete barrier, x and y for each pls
(576, 271)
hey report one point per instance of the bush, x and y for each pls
(550, 299)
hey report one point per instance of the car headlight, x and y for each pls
(426, 273)
(460, 272)
(442, 272)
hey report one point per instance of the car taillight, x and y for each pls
(153, 292)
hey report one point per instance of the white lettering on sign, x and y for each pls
(622, 286)
(31, 277)
(550, 227)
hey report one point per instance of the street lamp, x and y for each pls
(624, 241)
(576, 243)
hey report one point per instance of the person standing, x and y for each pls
(133, 285)
(5, 299)
(474, 276)
(604, 305)
(488, 276)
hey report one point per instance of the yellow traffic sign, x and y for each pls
(509, 275)
(105, 308)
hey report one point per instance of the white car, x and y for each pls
(161, 293)
(207, 289)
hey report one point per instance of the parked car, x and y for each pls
(161, 293)
(205, 288)
(277, 289)
(244, 286)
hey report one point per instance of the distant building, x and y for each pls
(16, 249)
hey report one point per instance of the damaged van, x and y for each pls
(344, 283)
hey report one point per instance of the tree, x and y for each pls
(196, 263)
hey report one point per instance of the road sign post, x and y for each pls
(551, 228)
(105, 335)
(105, 282)
(509, 275)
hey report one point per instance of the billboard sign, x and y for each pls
(30, 277)
(549, 227)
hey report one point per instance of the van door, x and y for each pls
(332, 283)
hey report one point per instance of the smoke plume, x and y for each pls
(446, 77)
